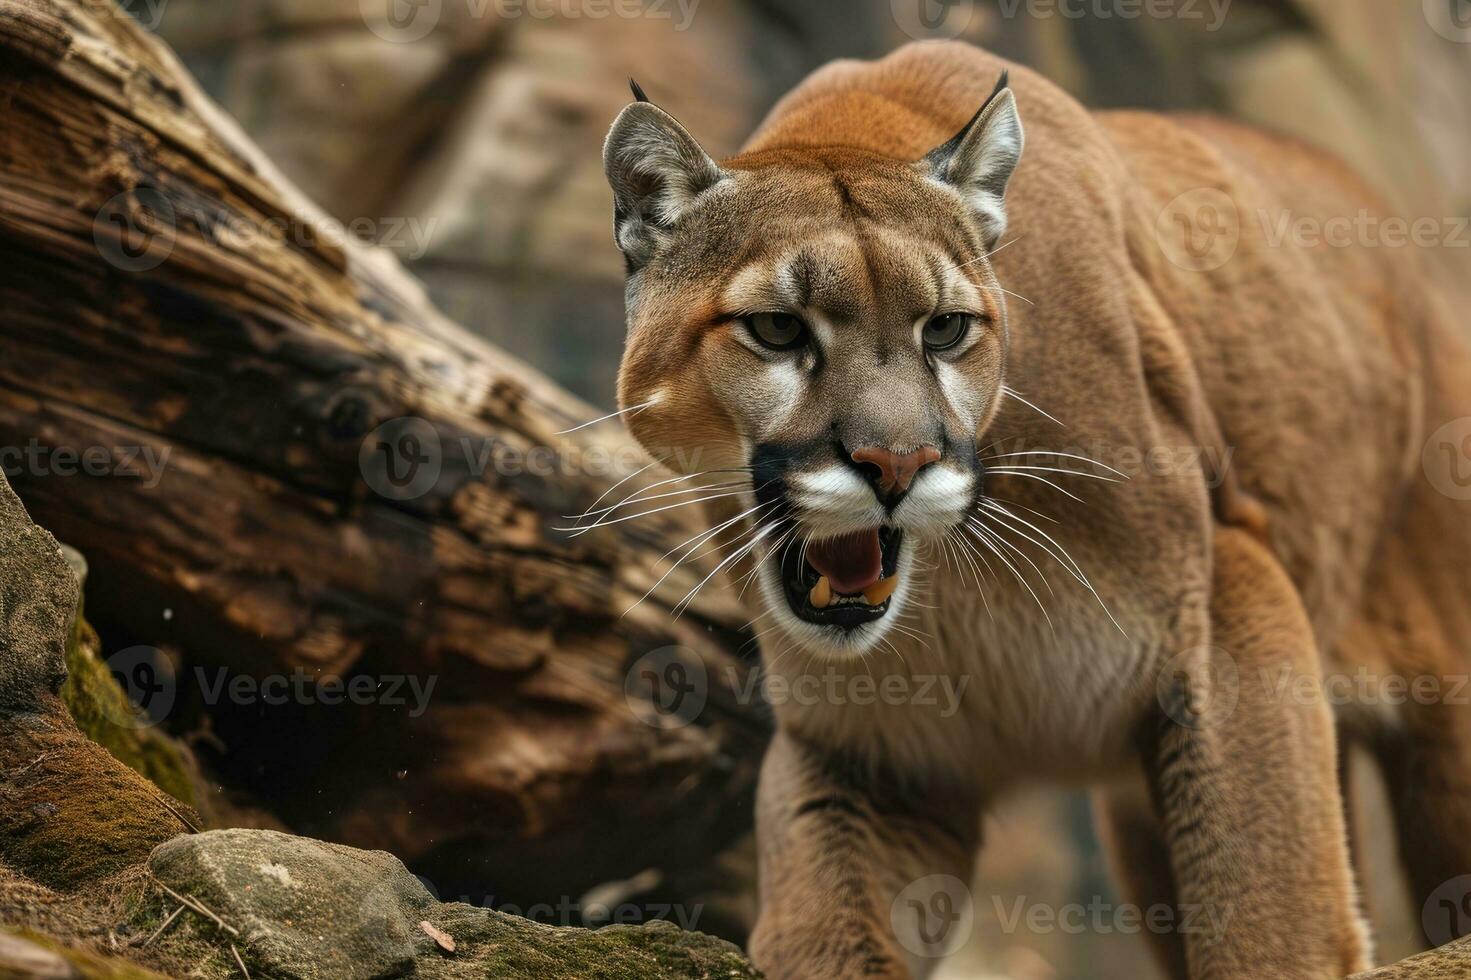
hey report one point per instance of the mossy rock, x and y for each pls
(70, 813)
(101, 710)
(302, 908)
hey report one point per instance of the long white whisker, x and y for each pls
(912, 633)
(697, 540)
(966, 552)
(684, 603)
(1030, 510)
(1076, 570)
(1013, 393)
(1043, 479)
(1009, 293)
(604, 495)
(611, 415)
(636, 499)
(1051, 469)
(756, 567)
(578, 531)
(1022, 555)
(993, 251)
(1083, 459)
(642, 490)
(1061, 554)
(986, 540)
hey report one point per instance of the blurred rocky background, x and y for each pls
(465, 136)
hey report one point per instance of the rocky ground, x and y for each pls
(107, 874)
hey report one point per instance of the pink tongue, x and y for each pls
(851, 563)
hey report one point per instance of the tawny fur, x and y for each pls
(1319, 372)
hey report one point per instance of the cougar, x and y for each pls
(975, 384)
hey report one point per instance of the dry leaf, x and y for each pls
(445, 940)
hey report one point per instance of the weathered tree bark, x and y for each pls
(176, 314)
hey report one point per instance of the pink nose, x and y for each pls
(896, 471)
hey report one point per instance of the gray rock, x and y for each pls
(306, 909)
(37, 591)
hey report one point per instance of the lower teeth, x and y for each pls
(822, 595)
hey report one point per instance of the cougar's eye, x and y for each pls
(778, 331)
(947, 330)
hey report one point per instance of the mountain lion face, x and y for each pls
(818, 334)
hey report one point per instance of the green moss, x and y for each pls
(78, 815)
(191, 945)
(94, 699)
(516, 949)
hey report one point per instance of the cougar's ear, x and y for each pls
(656, 170)
(979, 160)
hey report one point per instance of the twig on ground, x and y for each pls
(166, 923)
(199, 907)
(182, 819)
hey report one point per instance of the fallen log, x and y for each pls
(282, 463)
(102, 879)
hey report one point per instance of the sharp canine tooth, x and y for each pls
(876, 593)
(821, 595)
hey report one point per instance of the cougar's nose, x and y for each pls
(891, 473)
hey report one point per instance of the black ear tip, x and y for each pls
(638, 91)
(1002, 84)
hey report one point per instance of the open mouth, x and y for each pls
(845, 581)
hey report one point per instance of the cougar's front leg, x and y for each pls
(837, 853)
(1243, 769)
